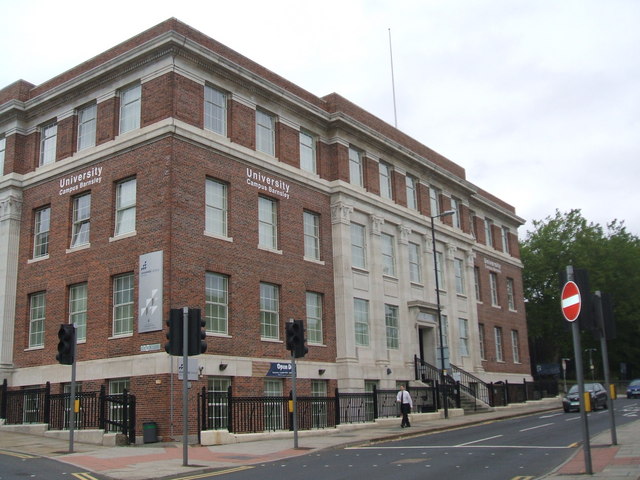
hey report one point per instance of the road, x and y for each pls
(14, 466)
(516, 449)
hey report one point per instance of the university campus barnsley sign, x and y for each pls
(491, 265)
(268, 184)
(77, 181)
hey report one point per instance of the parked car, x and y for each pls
(571, 400)
(633, 389)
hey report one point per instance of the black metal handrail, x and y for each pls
(471, 384)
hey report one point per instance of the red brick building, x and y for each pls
(171, 171)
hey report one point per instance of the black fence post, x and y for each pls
(230, 410)
(492, 400)
(337, 409)
(526, 392)
(47, 403)
(125, 413)
(3, 399)
(458, 399)
(132, 419)
(102, 409)
(203, 409)
(375, 402)
(507, 400)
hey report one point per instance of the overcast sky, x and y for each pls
(538, 100)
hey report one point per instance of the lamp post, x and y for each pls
(443, 370)
(591, 366)
(564, 372)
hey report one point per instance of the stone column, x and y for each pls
(346, 355)
(10, 213)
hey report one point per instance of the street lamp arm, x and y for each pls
(443, 214)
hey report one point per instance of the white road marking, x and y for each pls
(478, 441)
(433, 447)
(537, 426)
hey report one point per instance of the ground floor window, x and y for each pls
(116, 411)
(218, 405)
(273, 405)
(31, 408)
(319, 407)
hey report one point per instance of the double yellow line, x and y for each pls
(215, 474)
(16, 454)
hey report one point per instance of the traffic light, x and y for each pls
(295, 338)
(175, 334)
(67, 344)
(197, 333)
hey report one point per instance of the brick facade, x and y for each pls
(172, 156)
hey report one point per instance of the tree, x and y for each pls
(612, 258)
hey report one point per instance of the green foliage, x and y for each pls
(611, 255)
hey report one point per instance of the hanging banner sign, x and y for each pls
(150, 292)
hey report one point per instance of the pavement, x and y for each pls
(159, 460)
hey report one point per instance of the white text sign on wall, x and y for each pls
(267, 184)
(80, 180)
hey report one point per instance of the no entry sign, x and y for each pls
(571, 301)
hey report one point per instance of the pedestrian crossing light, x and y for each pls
(67, 343)
(197, 333)
(174, 335)
(295, 340)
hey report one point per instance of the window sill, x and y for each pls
(314, 260)
(272, 250)
(218, 335)
(30, 349)
(38, 259)
(218, 237)
(271, 340)
(121, 335)
(78, 248)
(123, 236)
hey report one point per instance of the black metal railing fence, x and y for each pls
(95, 409)
(243, 414)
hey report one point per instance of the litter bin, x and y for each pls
(149, 432)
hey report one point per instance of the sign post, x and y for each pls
(571, 303)
(185, 387)
(72, 394)
(605, 366)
